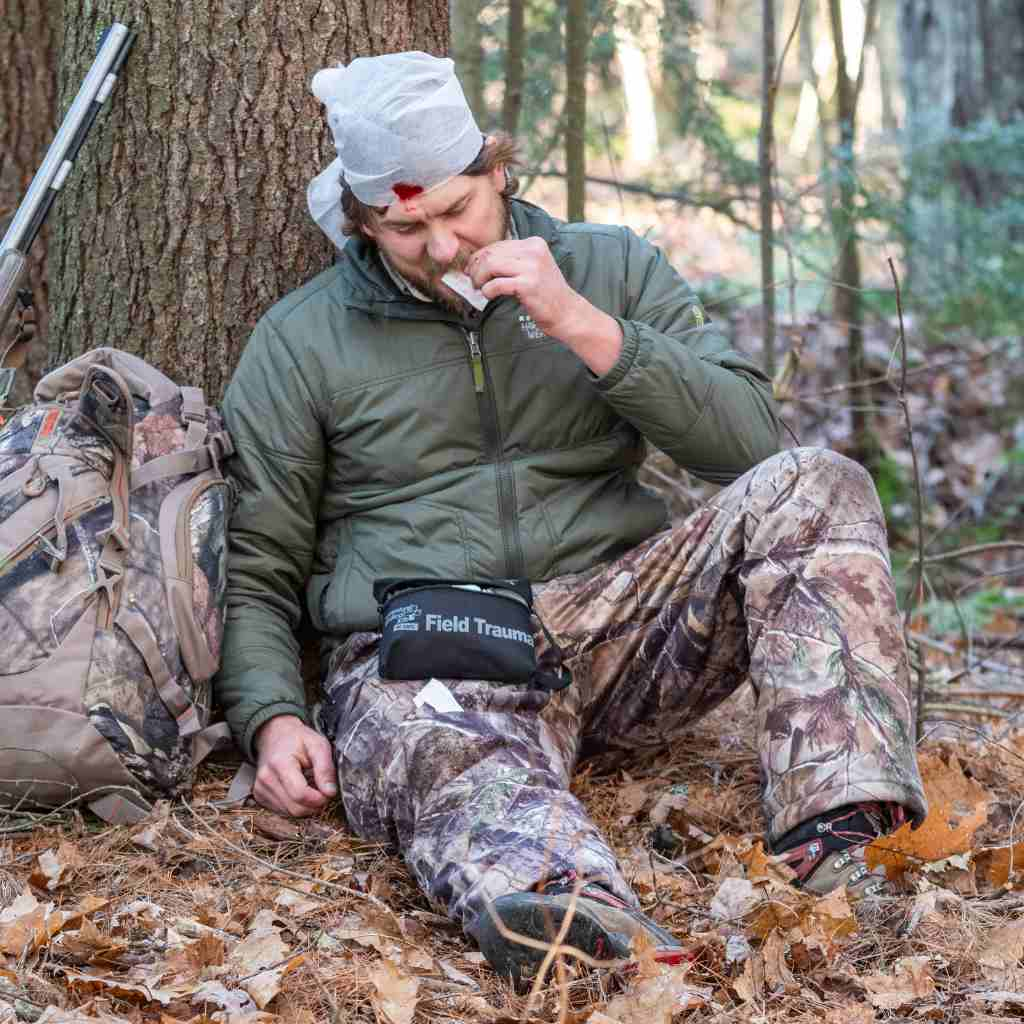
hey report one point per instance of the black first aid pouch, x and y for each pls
(462, 629)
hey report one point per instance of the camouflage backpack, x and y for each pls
(113, 514)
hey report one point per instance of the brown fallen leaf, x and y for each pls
(1001, 954)
(55, 868)
(27, 925)
(88, 945)
(777, 975)
(910, 981)
(749, 986)
(762, 867)
(655, 1000)
(119, 988)
(850, 1013)
(267, 984)
(958, 806)
(630, 800)
(288, 830)
(396, 993)
(996, 864)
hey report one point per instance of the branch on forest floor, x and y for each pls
(972, 549)
(918, 589)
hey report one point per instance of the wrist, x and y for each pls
(592, 334)
(274, 726)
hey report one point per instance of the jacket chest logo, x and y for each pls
(528, 327)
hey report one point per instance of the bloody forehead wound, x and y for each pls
(405, 191)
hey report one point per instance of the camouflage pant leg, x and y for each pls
(477, 801)
(784, 576)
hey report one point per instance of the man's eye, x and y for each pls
(405, 229)
(457, 211)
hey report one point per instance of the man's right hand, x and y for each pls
(287, 749)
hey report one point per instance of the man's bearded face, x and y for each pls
(425, 237)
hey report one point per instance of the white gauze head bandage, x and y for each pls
(401, 127)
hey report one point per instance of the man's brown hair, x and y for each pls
(499, 150)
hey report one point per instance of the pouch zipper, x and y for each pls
(509, 523)
(511, 595)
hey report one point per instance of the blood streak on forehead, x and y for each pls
(405, 192)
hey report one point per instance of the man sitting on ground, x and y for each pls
(386, 427)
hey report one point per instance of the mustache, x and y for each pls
(436, 270)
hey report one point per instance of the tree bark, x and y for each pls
(28, 95)
(467, 52)
(577, 37)
(847, 304)
(766, 147)
(515, 60)
(186, 216)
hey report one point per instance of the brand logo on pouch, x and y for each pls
(405, 617)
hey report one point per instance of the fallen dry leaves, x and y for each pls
(206, 916)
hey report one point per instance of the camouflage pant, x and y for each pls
(783, 577)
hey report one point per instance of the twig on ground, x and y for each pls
(972, 549)
(967, 709)
(884, 378)
(367, 896)
(918, 590)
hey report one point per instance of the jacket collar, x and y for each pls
(371, 288)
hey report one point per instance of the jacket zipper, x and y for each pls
(511, 540)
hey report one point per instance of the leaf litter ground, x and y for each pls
(209, 912)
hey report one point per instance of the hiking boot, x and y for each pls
(828, 851)
(602, 926)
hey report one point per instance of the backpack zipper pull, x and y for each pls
(477, 362)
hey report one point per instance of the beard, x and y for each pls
(427, 277)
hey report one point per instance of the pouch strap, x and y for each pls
(118, 808)
(209, 739)
(242, 784)
(542, 679)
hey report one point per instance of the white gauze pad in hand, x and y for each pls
(462, 285)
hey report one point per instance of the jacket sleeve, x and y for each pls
(678, 382)
(277, 470)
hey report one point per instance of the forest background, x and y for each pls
(795, 159)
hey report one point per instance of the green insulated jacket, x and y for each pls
(379, 435)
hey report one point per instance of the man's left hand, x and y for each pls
(524, 268)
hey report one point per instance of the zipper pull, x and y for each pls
(476, 359)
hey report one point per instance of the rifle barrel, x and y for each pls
(51, 174)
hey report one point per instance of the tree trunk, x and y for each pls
(963, 68)
(577, 37)
(635, 37)
(468, 55)
(515, 59)
(766, 147)
(848, 304)
(185, 218)
(28, 94)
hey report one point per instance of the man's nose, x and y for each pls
(442, 244)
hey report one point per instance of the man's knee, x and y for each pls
(821, 471)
